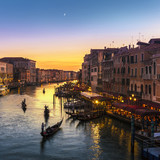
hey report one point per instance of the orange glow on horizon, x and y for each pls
(70, 66)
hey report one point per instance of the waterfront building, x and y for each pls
(67, 75)
(86, 70)
(136, 71)
(121, 72)
(47, 76)
(38, 75)
(61, 72)
(108, 69)
(24, 76)
(6, 72)
(21, 64)
(96, 57)
(73, 75)
(125, 71)
(43, 76)
(93, 72)
(56, 75)
(79, 76)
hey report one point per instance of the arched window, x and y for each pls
(141, 88)
(150, 70)
(131, 87)
(145, 89)
(146, 70)
(154, 89)
(118, 70)
(128, 70)
(149, 89)
(135, 88)
(124, 70)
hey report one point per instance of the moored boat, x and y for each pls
(51, 130)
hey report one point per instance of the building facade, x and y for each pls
(6, 72)
(22, 66)
(125, 71)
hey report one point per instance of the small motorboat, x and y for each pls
(50, 130)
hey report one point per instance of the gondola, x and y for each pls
(51, 130)
(46, 111)
(24, 106)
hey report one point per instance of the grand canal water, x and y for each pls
(20, 139)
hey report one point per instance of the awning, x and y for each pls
(136, 109)
(150, 103)
(91, 95)
(146, 112)
(120, 105)
(133, 108)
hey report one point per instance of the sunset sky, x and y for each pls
(58, 33)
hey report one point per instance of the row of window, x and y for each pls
(148, 70)
(2, 68)
(147, 90)
(131, 59)
(94, 70)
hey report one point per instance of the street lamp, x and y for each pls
(96, 102)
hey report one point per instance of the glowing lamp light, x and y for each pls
(134, 99)
(122, 101)
(130, 98)
(96, 101)
(89, 89)
(132, 95)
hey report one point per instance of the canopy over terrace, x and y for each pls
(150, 104)
(138, 110)
(90, 95)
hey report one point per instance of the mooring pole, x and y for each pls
(53, 98)
(152, 131)
(132, 134)
(61, 106)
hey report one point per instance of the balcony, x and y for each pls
(147, 76)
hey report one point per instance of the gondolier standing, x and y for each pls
(42, 127)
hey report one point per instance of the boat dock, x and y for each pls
(152, 153)
(151, 150)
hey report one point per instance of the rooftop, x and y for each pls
(16, 59)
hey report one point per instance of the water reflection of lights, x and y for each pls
(96, 139)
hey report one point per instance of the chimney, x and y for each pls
(129, 46)
(133, 45)
(104, 47)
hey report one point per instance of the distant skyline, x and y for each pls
(58, 33)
